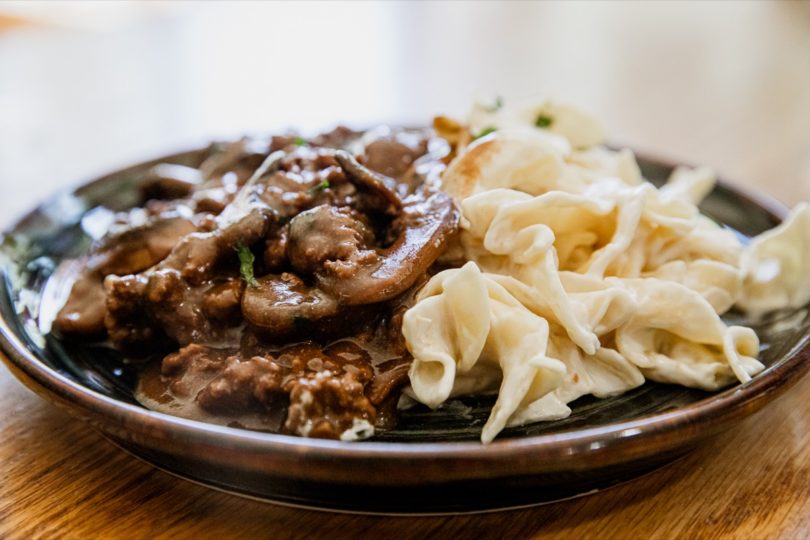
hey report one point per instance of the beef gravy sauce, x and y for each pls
(276, 274)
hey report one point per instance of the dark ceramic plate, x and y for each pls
(432, 462)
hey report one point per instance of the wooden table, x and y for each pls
(62, 479)
(719, 83)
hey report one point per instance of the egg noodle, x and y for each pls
(583, 278)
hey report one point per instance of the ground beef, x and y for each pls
(323, 389)
(393, 156)
(243, 384)
(330, 237)
(221, 302)
(277, 272)
(324, 405)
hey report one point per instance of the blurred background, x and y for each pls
(86, 88)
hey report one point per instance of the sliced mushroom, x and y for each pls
(364, 178)
(139, 248)
(423, 229)
(83, 312)
(129, 252)
(329, 235)
(241, 158)
(170, 298)
(196, 255)
(170, 181)
(283, 304)
(393, 155)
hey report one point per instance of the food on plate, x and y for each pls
(313, 286)
(270, 280)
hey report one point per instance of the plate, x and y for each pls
(432, 462)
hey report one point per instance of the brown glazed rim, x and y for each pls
(315, 458)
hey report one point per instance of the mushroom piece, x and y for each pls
(380, 186)
(170, 297)
(424, 228)
(130, 251)
(196, 254)
(240, 157)
(170, 181)
(329, 235)
(335, 246)
(170, 244)
(83, 311)
(138, 248)
(284, 304)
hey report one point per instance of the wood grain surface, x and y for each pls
(722, 83)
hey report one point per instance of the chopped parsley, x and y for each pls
(484, 132)
(300, 141)
(543, 120)
(246, 260)
(320, 187)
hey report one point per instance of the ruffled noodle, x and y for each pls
(528, 160)
(777, 266)
(462, 326)
(590, 279)
(675, 336)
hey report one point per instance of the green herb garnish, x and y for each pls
(543, 120)
(484, 132)
(246, 260)
(300, 141)
(320, 187)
